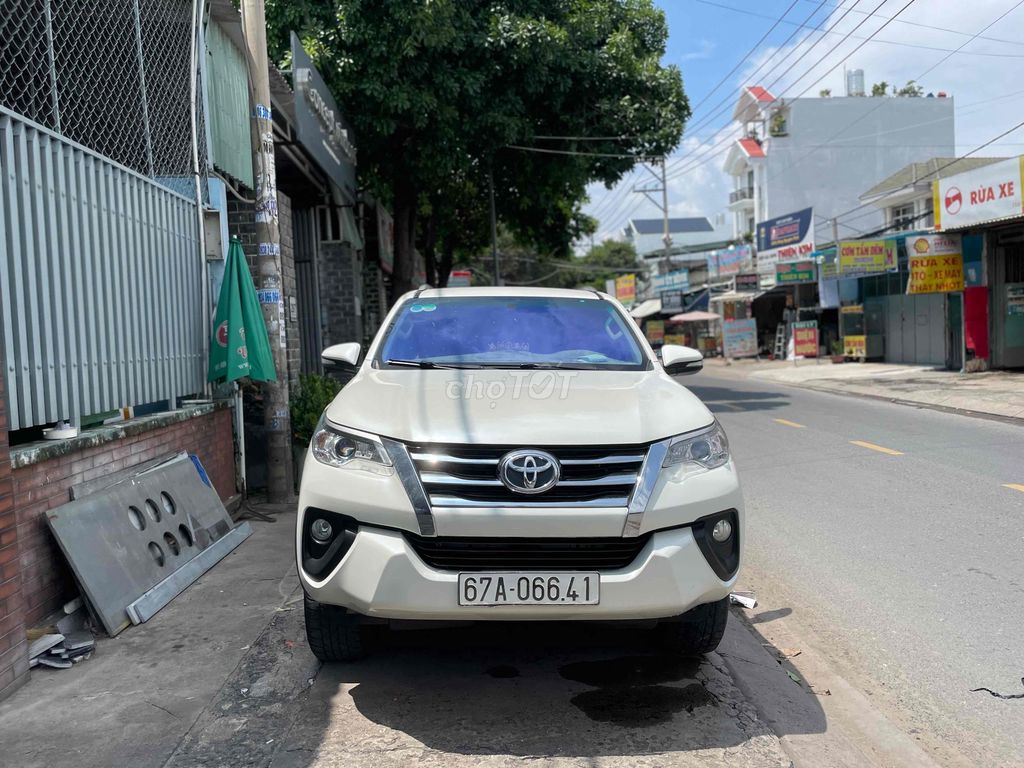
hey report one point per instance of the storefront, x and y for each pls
(985, 207)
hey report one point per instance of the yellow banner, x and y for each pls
(935, 263)
(865, 257)
(855, 346)
(625, 288)
(655, 330)
(676, 338)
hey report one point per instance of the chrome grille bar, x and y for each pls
(442, 500)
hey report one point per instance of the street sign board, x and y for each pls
(795, 272)
(866, 257)
(739, 337)
(655, 330)
(671, 301)
(459, 278)
(784, 238)
(672, 281)
(319, 124)
(935, 264)
(855, 346)
(982, 194)
(625, 289)
(805, 338)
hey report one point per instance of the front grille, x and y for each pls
(467, 476)
(508, 554)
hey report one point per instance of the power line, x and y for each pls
(723, 103)
(747, 55)
(938, 29)
(934, 66)
(678, 172)
(876, 40)
(955, 160)
(575, 153)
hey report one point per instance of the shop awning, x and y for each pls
(737, 295)
(646, 309)
(697, 316)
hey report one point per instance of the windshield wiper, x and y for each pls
(425, 364)
(538, 366)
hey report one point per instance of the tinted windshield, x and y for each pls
(518, 331)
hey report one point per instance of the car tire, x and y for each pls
(697, 631)
(333, 633)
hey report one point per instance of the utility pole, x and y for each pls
(494, 231)
(666, 238)
(268, 274)
(647, 191)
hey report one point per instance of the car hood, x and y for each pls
(502, 407)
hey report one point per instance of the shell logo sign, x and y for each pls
(984, 194)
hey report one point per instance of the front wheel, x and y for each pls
(697, 631)
(335, 634)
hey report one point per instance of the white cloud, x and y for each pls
(986, 88)
(707, 47)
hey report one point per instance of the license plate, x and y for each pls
(510, 588)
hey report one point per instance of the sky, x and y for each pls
(709, 38)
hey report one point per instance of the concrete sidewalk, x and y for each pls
(993, 394)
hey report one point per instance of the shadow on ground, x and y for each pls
(549, 690)
(728, 400)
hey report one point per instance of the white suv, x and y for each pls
(516, 454)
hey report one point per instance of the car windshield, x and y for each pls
(521, 332)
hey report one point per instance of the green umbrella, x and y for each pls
(239, 346)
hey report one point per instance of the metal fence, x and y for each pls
(100, 281)
(113, 75)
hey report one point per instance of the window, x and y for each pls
(516, 331)
(903, 217)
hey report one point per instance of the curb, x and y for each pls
(1017, 421)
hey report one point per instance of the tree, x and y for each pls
(440, 93)
(825, 93)
(911, 89)
(880, 89)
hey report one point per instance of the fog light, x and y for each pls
(721, 531)
(321, 531)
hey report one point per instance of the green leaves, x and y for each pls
(437, 91)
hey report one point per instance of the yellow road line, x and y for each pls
(1014, 486)
(878, 448)
(788, 423)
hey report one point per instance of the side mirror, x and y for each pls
(679, 360)
(346, 355)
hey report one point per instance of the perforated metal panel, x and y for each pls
(123, 541)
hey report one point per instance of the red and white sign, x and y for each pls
(459, 278)
(991, 192)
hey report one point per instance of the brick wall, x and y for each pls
(46, 582)
(341, 292)
(13, 645)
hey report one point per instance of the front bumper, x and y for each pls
(382, 576)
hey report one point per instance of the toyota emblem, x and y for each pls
(528, 471)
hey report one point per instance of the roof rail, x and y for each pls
(421, 289)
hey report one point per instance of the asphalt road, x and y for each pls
(889, 535)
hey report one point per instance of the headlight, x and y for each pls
(349, 449)
(708, 448)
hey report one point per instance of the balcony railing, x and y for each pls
(741, 194)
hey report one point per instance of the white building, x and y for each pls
(824, 152)
(905, 198)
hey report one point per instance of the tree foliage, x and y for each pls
(440, 93)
